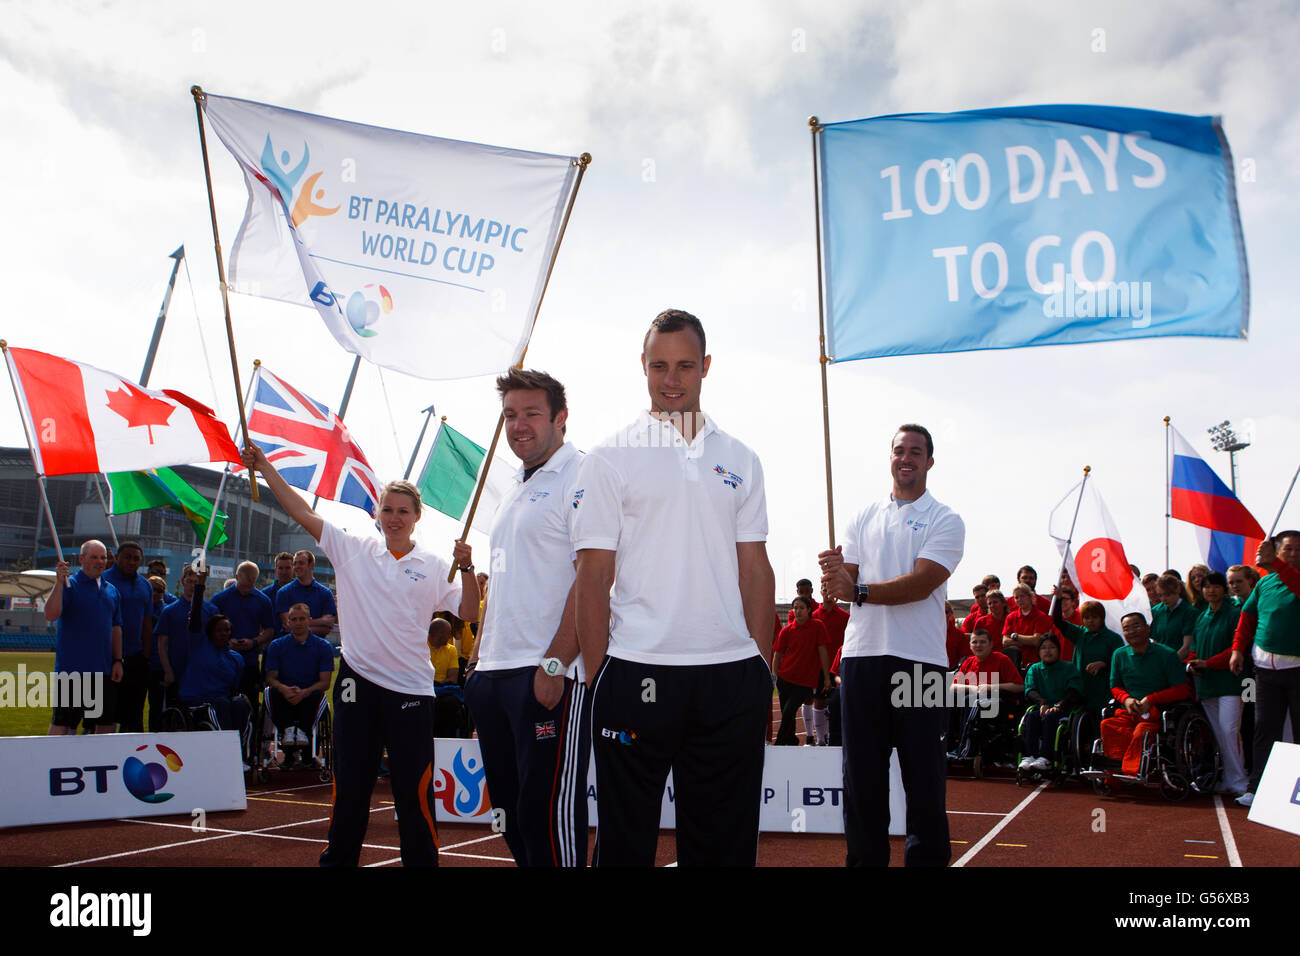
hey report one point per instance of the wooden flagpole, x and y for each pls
(582, 162)
(815, 127)
(25, 413)
(198, 95)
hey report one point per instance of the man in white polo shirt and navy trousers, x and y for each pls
(894, 566)
(678, 650)
(525, 688)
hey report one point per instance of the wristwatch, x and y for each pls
(553, 666)
(467, 569)
(860, 594)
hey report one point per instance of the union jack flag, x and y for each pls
(308, 444)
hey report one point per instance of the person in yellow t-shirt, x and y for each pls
(442, 654)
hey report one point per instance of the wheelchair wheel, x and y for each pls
(1102, 788)
(204, 721)
(172, 721)
(1196, 752)
(1083, 731)
(977, 766)
(1174, 786)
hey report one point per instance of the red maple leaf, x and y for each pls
(139, 408)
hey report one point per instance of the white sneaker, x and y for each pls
(1026, 763)
(1042, 763)
(1246, 799)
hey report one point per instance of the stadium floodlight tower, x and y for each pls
(1223, 438)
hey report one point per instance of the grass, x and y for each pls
(35, 721)
(25, 721)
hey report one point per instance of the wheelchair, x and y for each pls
(986, 740)
(1181, 757)
(1073, 744)
(450, 713)
(275, 754)
(184, 718)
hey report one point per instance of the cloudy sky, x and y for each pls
(699, 197)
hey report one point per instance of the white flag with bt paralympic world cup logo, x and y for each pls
(1094, 555)
(421, 254)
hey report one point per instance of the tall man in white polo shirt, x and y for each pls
(893, 566)
(678, 650)
(526, 689)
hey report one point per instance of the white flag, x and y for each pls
(423, 255)
(1096, 559)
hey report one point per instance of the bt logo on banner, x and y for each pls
(144, 781)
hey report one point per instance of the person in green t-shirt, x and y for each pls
(1174, 618)
(1218, 689)
(1056, 687)
(1144, 676)
(1094, 645)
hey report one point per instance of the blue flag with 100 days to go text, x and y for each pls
(1035, 225)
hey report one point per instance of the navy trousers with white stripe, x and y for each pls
(536, 764)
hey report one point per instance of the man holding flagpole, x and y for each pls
(893, 566)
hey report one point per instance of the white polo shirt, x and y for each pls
(673, 512)
(885, 541)
(385, 605)
(532, 566)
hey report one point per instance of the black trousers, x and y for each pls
(873, 726)
(368, 718)
(131, 693)
(791, 697)
(536, 763)
(301, 715)
(707, 724)
(1040, 732)
(1276, 693)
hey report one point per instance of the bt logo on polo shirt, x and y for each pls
(414, 575)
(624, 737)
(577, 497)
(729, 478)
(917, 525)
(537, 496)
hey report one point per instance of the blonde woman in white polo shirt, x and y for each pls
(383, 698)
(678, 506)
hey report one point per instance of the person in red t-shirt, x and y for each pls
(958, 642)
(981, 675)
(800, 662)
(802, 588)
(1029, 578)
(996, 617)
(981, 606)
(835, 619)
(1023, 627)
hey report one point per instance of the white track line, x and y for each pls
(1229, 844)
(457, 846)
(474, 856)
(263, 793)
(222, 836)
(977, 813)
(258, 833)
(998, 828)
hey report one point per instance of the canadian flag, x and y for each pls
(83, 420)
(1094, 555)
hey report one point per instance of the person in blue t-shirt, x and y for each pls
(283, 575)
(298, 669)
(212, 676)
(137, 634)
(173, 634)
(89, 612)
(305, 589)
(252, 623)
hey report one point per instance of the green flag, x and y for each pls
(163, 488)
(450, 473)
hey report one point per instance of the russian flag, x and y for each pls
(1197, 495)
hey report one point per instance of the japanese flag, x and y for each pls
(1094, 555)
(82, 420)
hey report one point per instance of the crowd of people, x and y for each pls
(668, 665)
